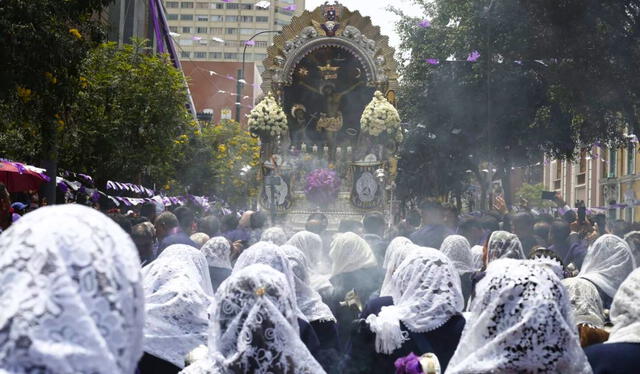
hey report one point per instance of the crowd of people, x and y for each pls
(154, 291)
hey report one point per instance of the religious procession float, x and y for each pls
(328, 125)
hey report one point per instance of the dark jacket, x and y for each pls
(178, 238)
(431, 236)
(614, 358)
(571, 253)
(218, 275)
(150, 364)
(442, 341)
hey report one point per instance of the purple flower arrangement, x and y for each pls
(409, 364)
(322, 186)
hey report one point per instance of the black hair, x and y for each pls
(349, 225)
(167, 220)
(123, 221)
(148, 210)
(229, 222)
(373, 223)
(559, 231)
(414, 218)
(257, 220)
(185, 217)
(209, 225)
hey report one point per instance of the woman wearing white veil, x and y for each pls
(253, 327)
(319, 264)
(71, 299)
(178, 293)
(621, 353)
(607, 263)
(458, 250)
(397, 251)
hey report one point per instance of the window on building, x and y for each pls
(215, 55)
(185, 42)
(171, 4)
(216, 18)
(200, 55)
(233, 6)
(217, 5)
(186, 29)
(259, 56)
(202, 5)
(613, 163)
(231, 18)
(284, 11)
(261, 44)
(246, 6)
(262, 19)
(203, 42)
(215, 30)
(581, 176)
(631, 158)
(201, 30)
(173, 28)
(230, 56)
(246, 18)
(185, 54)
(557, 175)
(186, 17)
(231, 30)
(186, 5)
(200, 18)
(232, 43)
(172, 17)
(244, 31)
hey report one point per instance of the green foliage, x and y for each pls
(42, 44)
(221, 160)
(533, 193)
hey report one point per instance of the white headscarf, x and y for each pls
(275, 235)
(397, 251)
(311, 245)
(269, 254)
(607, 263)
(308, 300)
(71, 298)
(217, 251)
(457, 248)
(520, 322)
(586, 302)
(349, 252)
(178, 293)
(503, 244)
(477, 251)
(426, 294)
(625, 311)
(254, 327)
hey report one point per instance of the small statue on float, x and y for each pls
(380, 127)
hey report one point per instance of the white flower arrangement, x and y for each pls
(380, 117)
(268, 117)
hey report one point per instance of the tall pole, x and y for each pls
(488, 129)
(241, 74)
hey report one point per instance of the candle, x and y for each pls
(303, 148)
(349, 149)
(314, 148)
(326, 149)
(338, 150)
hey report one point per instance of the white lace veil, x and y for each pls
(503, 244)
(311, 245)
(586, 302)
(217, 251)
(349, 252)
(269, 254)
(397, 251)
(178, 293)
(71, 297)
(607, 263)
(457, 248)
(308, 300)
(275, 235)
(520, 322)
(633, 240)
(625, 311)
(426, 294)
(254, 327)
(477, 252)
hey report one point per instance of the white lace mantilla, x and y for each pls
(503, 244)
(625, 311)
(397, 251)
(457, 248)
(71, 299)
(217, 251)
(608, 263)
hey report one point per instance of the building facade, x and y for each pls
(605, 179)
(217, 30)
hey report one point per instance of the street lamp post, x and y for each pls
(240, 84)
(488, 129)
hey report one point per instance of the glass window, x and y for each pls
(631, 158)
(200, 18)
(173, 28)
(215, 30)
(215, 55)
(232, 43)
(259, 56)
(247, 31)
(216, 18)
(202, 5)
(186, 42)
(186, 17)
(172, 17)
(200, 55)
(246, 18)
(186, 29)
(231, 30)
(201, 30)
(232, 6)
(186, 5)
(171, 4)
(262, 19)
(261, 44)
(218, 5)
(231, 18)
(230, 56)
(185, 54)
(246, 6)
(613, 162)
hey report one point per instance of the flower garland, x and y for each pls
(267, 118)
(380, 117)
(322, 186)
